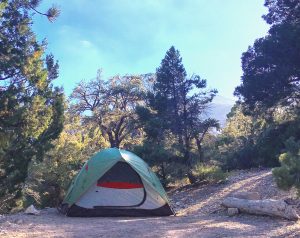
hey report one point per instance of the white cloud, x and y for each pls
(86, 43)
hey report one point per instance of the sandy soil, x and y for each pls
(199, 215)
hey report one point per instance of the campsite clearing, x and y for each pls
(199, 215)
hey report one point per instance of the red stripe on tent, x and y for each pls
(119, 185)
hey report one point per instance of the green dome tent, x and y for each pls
(116, 182)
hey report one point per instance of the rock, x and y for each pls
(246, 195)
(232, 211)
(31, 210)
(7, 223)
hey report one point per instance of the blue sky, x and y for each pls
(132, 36)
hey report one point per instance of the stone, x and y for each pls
(232, 211)
(7, 223)
(31, 210)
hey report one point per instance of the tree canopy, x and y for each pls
(271, 66)
(176, 105)
(110, 105)
(31, 110)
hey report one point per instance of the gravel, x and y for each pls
(199, 214)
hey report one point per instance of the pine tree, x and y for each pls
(31, 110)
(175, 104)
(271, 66)
(167, 99)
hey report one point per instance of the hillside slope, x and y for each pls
(199, 214)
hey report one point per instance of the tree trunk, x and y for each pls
(114, 143)
(191, 177)
(268, 207)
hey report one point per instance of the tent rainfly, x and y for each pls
(116, 182)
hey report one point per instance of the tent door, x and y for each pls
(120, 187)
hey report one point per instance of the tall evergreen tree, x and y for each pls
(270, 84)
(175, 104)
(31, 110)
(272, 65)
(167, 99)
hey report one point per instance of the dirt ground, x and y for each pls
(199, 214)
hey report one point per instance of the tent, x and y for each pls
(116, 182)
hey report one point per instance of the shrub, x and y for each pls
(47, 181)
(176, 174)
(205, 173)
(159, 156)
(288, 175)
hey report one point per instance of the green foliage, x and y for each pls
(159, 156)
(253, 141)
(171, 169)
(31, 111)
(270, 89)
(206, 173)
(271, 66)
(167, 97)
(49, 179)
(176, 172)
(288, 175)
(268, 148)
(282, 11)
(110, 105)
(235, 144)
(175, 105)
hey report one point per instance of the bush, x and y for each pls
(288, 175)
(176, 174)
(47, 181)
(159, 157)
(268, 148)
(49, 177)
(205, 173)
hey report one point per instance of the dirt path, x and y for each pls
(200, 215)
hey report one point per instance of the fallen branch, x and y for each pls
(268, 207)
